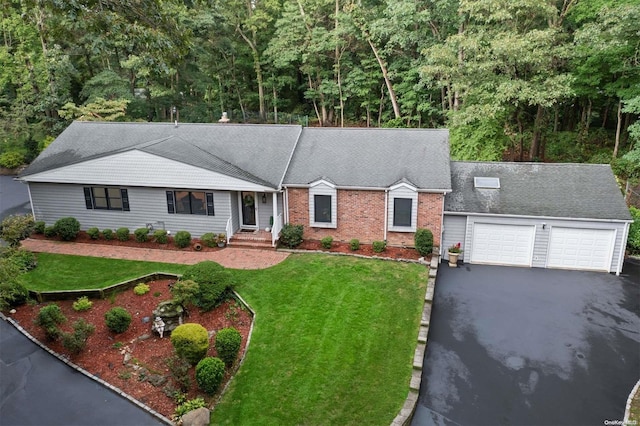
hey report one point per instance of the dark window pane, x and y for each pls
(115, 202)
(100, 198)
(402, 211)
(322, 208)
(198, 203)
(183, 203)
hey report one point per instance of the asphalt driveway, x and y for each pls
(516, 346)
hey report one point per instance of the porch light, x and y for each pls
(264, 198)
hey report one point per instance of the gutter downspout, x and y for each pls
(386, 212)
(623, 245)
(444, 194)
(285, 201)
(33, 212)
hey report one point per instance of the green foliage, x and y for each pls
(423, 241)
(141, 234)
(326, 242)
(11, 159)
(209, 374)
(633, 241)
(82, 304)
(190, 405)
(12, 292)
(50, 231)
(182, 239)
(185, 292)
(141, 289)
(354, 244)
(39, 226)
(209, 239)
(49, 318)
(179, 369)
(67, 228)
(122, 234)
(16, 228)
(160, 236)
(23, 259)
(481, 139)
(227, 344)
(379, 246)
(76, 342)
(214, 283)
(107, 234)
(93, 233)
(117, 319)
(291, 235)
(190, 341)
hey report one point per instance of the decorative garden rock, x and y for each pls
(170, 313)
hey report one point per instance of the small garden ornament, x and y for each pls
(158, 326)
(454, 252)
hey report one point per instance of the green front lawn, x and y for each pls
(333, 342)
(63, 272)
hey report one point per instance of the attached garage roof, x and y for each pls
(581, 191)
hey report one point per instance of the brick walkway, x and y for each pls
(229, 257)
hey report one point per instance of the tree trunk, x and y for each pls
(385, 75)
(534, 152)
(257, 68)
(618, 128)
(275, 104)
(380, 107)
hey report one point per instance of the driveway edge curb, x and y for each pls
(85, 372)
(406, 412)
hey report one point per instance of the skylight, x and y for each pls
(486, 182)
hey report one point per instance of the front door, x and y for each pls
(248, 203)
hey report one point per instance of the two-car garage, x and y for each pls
(568, 216)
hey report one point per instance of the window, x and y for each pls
(190, 202)
(103, 198)
(322, 208)
(402, 208)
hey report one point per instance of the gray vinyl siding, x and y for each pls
(454, 232)
(323, 189)
(235, 212)
(147, 205)
(541, 243)
(265, 211)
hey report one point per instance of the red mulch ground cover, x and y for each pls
(364, 250)
(104, 355)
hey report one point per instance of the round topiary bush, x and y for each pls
(117, 319)
(141, 289)
(209, 239)
(142, 234)
(423, 240)
(107, 234)
(214, 283)
(182, 239)
(67, 228)
(160, 236)
(209, 374)
(191, 342)
(39, 226)
(93, 233)
(122, 234)
(228, 341)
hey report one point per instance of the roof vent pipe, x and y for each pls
(174, 113)
(224, 118)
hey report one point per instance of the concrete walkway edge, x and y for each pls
(85, 372)
(406, 412)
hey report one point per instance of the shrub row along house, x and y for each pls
(369, 184)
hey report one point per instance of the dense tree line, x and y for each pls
(555, 80)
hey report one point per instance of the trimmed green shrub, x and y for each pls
(50, 231)
(160, 236)
(11, 159)
(76, 342)
(379, 246)
(117, 319)
(190, 405)
(209, 374)
(182, 239)
(49, 318)
(39, 226)
(191, 342)
(24, 260)
(209, 239)
(82, 304)
(107, 234)
(67, 228)
(354, 244)
(291, 235)
(12, 292)
(142, 234)
(16, 228)
(633, 241)
(326, 242)
(423, 241)
(214, 283)
(227, 344)
(185, 292)
(122, 234)
(141, 289)
(93, 233)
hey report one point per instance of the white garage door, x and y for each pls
(576, 248)
(502, 244)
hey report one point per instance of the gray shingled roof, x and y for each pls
(254, 153)
(586, 191)
(366, 157)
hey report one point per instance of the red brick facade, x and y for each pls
(361, 215)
